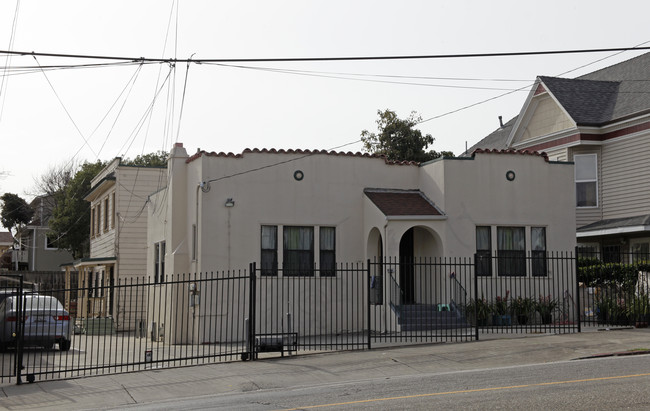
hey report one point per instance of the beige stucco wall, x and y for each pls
(477, 192)
(470, 192)
(330, 194)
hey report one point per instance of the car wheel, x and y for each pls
(64, 345)
(48, 345)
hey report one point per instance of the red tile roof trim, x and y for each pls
(512, 151)
(299, 151)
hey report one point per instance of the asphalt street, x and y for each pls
(273, 375)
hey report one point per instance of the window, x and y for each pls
(92, 222)
(484, 251)
(50, 242)
(159, 262)
(588, 250)
(98, 214)
(269, 250)
(114, 210)
(298, 256)
(106, 214)
(586, 177)
(538, 251)
(511, 251)
(327, 237)
(612, 253)
(640, 251)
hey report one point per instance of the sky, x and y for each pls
(50, 118)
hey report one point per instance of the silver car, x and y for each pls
(46, 322)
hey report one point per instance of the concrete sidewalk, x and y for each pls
(308, 369)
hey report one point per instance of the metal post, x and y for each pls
(577, 284)
(20, 334)
(369, 280)
(476, 293)
(251, 312)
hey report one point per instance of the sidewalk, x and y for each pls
(493, 350)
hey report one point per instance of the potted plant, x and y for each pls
(545, 307)
(522, 308)
(642, 310)
(614, 311)
(480, 310)
(501, 311)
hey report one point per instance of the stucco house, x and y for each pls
(601, 122)
(289, 211)
(118, 243)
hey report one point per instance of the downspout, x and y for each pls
(195, 233)
(385, 297)
(35, 233)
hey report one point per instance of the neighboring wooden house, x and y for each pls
(6, 245)
(291, 211)
(118, 243)
(37, 250)
(601, 122)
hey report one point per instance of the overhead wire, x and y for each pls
(212, 180)
(12, 38)
(169, 111)
(132, 82)
(8, 70)
(333, 58)
(66, 110)
(356, 78)
(528, 86)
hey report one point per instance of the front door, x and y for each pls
(407, 267)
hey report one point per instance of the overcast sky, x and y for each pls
(50, 117)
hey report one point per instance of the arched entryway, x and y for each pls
(418, 246)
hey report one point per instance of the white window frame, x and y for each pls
(586, 180)
(47, 247)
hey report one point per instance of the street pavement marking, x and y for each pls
(617, 377)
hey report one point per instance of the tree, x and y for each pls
(156, 159)
(398, 140)
(70, 220)
(49, 185)
(15, 212)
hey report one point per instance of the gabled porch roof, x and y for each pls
(398, 204)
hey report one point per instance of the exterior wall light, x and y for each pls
(230, 202)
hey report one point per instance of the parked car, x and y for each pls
(8, 292)
(46, 322)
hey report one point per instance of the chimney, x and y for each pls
(501, 121)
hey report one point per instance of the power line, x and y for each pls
(338, 58)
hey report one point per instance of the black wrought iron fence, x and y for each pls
(136, 324)
(420, 300)
(183, 320)
(525, 293)
(316, 310)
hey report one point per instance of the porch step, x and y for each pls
(422, 317)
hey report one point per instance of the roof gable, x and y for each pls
(587, 102)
